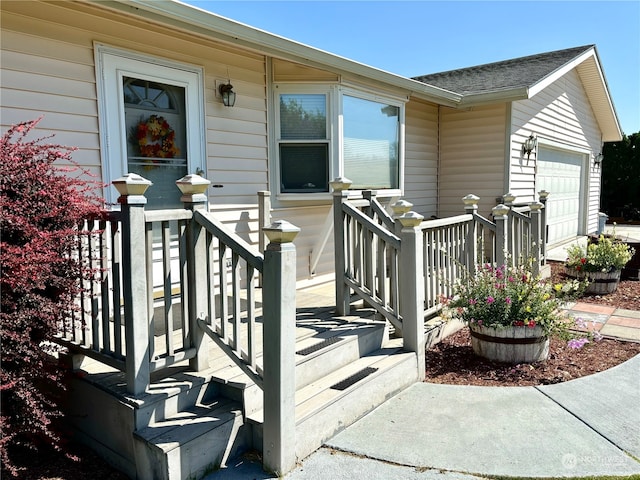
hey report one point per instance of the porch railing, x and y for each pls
(375, 252)
(172, 281)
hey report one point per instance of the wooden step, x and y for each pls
(322, 409)
(192, 442)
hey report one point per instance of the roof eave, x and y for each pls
(510, 95)
(195, 20)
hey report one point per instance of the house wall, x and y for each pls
(48, 69)
(421, 157)
(472, 157)
(560, 114)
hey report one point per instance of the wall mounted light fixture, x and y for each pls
(227, 94)
(597, 159)
(529, 145)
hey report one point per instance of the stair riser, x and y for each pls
(315, 366)
(194, 458)
(177, 400)
(365, 396)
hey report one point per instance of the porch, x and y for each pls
(227, 356)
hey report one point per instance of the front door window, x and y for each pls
(156, 140)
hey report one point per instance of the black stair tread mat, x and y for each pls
(356, 377)
(319, 346)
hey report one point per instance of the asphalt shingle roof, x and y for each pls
(506, 75)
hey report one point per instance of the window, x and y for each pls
(151, 114)
(371, 132)
(156, 144)
(359, 138)
(303, 146)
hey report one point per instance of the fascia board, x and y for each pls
(558, 73)
(195, 20)
(510, 95)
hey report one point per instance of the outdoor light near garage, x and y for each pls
(227, 94)
(529, 145)
(597, 159)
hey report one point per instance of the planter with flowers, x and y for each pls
(510, 313)
(600, 262)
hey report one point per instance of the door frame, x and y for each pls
(112, 64)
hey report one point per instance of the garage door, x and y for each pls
(560, 172)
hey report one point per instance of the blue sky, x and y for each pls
(412, 38)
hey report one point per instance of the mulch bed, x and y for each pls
(452, 361)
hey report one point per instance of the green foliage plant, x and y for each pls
(606, 255)
(43, 198)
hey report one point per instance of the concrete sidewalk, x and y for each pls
(588, 426)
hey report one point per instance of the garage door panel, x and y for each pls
(560, 173)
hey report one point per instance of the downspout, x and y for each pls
(507, 153)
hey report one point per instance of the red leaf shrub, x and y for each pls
(42, 205)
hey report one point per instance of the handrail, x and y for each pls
(237, 244)
(444, 222)
(483, 221)
(374, 227)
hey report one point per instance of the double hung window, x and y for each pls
(337, 132)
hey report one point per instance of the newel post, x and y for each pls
(412, 287)
(340, 188)
(134, 282)
(193, 188)
(536, 233)
(279, 316)
(500, 216)
(471, 242)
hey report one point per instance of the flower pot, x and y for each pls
(510, 344)
(600, 283)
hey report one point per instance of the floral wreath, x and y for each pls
(156, 138)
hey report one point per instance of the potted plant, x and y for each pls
(600, 262)
(510, 313)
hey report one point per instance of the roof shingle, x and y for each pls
(506, 75)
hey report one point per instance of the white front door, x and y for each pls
(560, 172)
(151, 121)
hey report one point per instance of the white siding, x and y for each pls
(48, 69)
(472, 157)
(562, 116)
(421, 157)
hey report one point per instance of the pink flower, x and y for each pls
(507, 300)
(490, 299)
(472, 301)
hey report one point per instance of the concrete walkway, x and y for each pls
(585, 427)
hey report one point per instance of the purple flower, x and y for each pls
(577, 343)
(507, 300)
(490, 299)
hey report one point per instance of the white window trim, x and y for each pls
(112, 64)
(335, 135)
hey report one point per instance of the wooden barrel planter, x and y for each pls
(510, 344)
(600, 283)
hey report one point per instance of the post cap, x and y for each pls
(543, 194)
(193, 184)
(410, 219)
(131, 184)
(281, 231)
(508, 197)
(500, 210)
(535, 206)
(401, 207)
(470, 200)
(340, 183)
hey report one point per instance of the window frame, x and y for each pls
(112, 65)
(335, 134)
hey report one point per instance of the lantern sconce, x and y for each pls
(227, 94)
(529, 145)
(597, 160)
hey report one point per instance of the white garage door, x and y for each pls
(560, 172)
